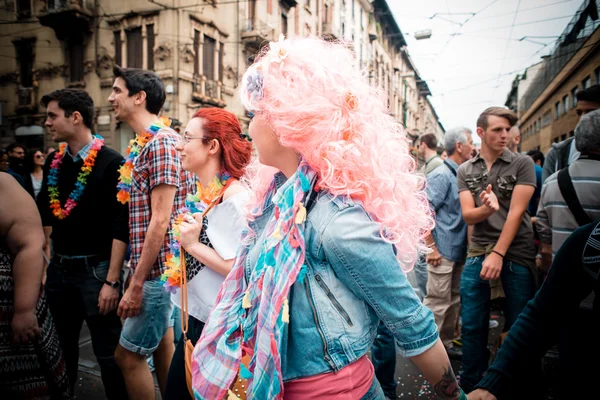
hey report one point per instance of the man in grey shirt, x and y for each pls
(555, 221)
(428, 152)
(495, 187)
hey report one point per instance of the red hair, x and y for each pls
(224, 126)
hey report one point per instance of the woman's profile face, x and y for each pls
(264, 139)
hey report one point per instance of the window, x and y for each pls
(563, 137)
(284, 24)
(586, 83)
(565, 104)
(555, 140)
(546, 119)
(23, 9)
(150, 46)
(75, 49)
(208, 57)
(574, 97)
(557, 110)
(539, 123)
(24, 49)
(196, 52)
(221, 55)
(134, 47)
(118, 48)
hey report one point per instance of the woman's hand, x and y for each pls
(189, 231)
(25, 327)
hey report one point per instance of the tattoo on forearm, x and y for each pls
(447, 387)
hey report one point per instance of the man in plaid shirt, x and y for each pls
(158, 188)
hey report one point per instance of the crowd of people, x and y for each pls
(267, 265)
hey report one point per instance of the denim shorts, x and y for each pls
(142, 334)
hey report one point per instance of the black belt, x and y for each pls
(67, 260)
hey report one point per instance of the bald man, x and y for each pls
(514, 139)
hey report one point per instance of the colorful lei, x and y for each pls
(133, 151)
(75, 196)
(196, 203)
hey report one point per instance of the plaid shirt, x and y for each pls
(157, 164)
(83, 153)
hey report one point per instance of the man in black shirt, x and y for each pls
(89, 231)
(554, 317)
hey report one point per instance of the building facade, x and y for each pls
(547, 108)
(200, 48)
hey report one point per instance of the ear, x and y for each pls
(139, 98)
(76, 118)
(480, 132)
(518, 139)
(214, 147)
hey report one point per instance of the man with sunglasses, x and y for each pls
(565, 153)
(155, 186)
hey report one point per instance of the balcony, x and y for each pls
(67, 17)
(27, 101)
(289, 3)
(208, 92)
(256, 33)
(328, 32)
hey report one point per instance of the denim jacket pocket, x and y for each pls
(506, 185)
(333, 300)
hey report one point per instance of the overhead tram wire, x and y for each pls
(508, 41)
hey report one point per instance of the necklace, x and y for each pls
(133, 151)
(75, 196)
(200, 202)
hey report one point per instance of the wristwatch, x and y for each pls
(113, 285)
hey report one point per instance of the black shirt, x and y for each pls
(554, 317)
(98, 218)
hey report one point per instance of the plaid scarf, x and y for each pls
(251, 311)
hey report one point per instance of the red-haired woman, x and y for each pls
(214, 148)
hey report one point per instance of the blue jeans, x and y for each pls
(142, 334)
(383, 355)
(518, 285)
(421, 277)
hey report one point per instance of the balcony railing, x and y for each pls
(207, 91)
(67, 17)
(27, 102)
(256, 32)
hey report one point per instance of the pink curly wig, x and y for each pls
(320, 104)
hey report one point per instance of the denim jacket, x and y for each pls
(353, 280)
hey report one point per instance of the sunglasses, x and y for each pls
(39, 156)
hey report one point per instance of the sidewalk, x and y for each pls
(89, 385)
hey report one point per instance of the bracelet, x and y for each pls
(501, 255)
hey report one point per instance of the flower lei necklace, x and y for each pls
(133, 151)
(75, 196)
(196, 203)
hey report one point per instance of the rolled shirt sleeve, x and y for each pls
(165, 163)
(366, 264)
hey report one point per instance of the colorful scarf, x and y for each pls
(251, 311)
(194, 204)
(136, 146)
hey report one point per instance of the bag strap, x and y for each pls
(184, 296)
(565, 184)
(447, 164)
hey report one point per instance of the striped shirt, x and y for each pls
(157, 164)
(555, 222)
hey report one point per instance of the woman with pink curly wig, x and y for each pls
(338, 213)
